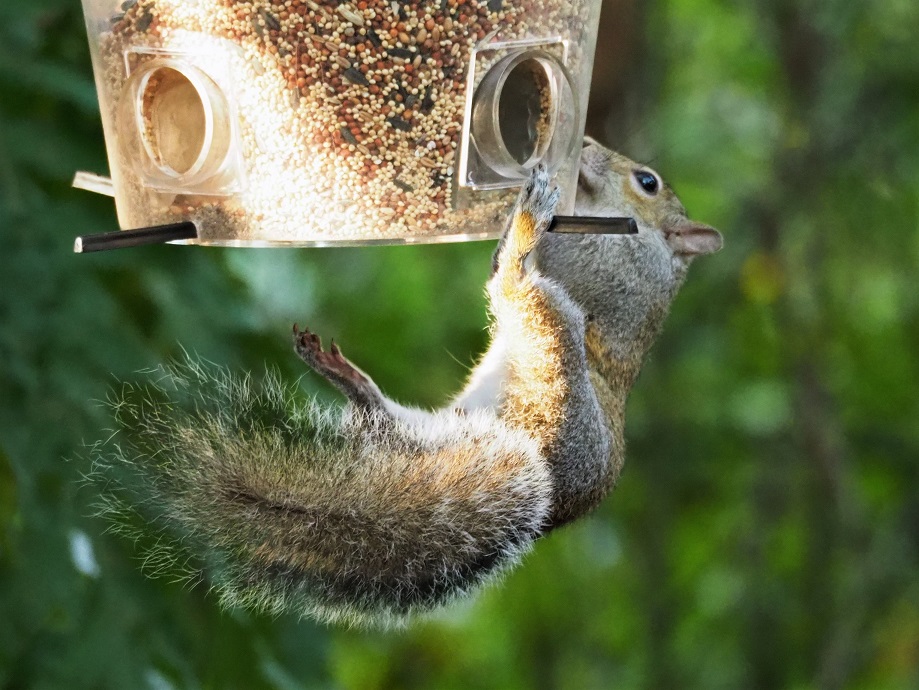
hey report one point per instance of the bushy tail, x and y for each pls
(284, 505)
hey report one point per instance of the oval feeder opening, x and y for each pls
(525, 112)
(519, 115)
(175, 127)
(173, 121)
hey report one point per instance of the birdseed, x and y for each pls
(349, 115)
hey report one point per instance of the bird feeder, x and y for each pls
(326, 122)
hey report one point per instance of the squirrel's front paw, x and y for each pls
(532, 217)
(538, 198)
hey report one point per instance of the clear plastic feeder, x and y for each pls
(312, 122)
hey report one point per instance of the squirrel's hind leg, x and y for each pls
(335, 368)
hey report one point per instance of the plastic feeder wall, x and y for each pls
(310, 122)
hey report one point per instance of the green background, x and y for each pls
(765, 531)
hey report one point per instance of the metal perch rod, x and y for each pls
(592, 225)
(135, 238)
(158, 234)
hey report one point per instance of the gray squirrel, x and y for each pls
(379, 511)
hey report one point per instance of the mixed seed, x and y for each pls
(349, 113)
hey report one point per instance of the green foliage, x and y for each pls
(764, 533)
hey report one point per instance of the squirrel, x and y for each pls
(376, 512)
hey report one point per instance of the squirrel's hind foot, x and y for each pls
(336, 368)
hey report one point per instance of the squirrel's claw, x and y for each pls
(307, 340)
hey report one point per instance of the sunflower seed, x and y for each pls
(347, 136)
(271, 21)
(144, 22)
(399, 123)
(355, 76)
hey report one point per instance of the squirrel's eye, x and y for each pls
(647, 181)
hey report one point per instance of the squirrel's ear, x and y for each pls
(692, 238)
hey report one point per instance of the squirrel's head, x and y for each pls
(610, 184)
(625, 283)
